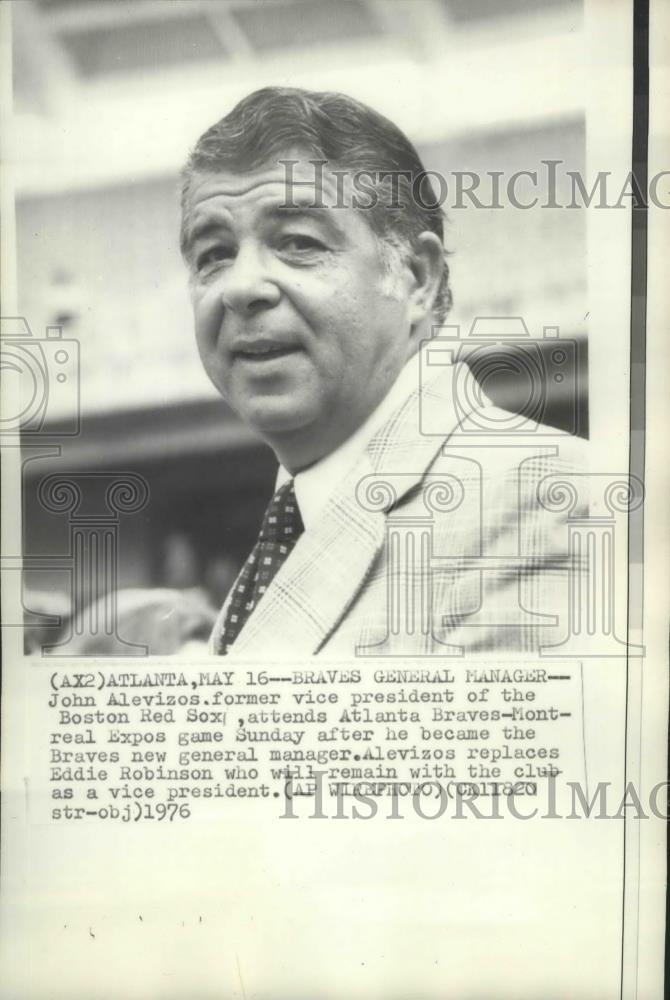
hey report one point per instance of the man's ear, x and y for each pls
(427, 266)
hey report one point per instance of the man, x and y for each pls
(315, 249)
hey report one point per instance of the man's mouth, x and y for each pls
(263, 350)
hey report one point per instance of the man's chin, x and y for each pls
(277, 418)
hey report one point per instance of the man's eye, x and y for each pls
(298, 243)
(213, 256)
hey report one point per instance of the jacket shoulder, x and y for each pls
(506, 440)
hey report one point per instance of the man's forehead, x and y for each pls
(291, 179)
(290, 183)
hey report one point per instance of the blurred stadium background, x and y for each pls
(108, 99)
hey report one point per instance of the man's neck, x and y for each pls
(299, 451)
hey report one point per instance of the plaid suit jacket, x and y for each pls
(436, 543)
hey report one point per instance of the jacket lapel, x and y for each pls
(314, 587)
(328, 566)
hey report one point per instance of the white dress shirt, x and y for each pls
(314, 485)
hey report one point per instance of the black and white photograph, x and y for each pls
(334, 554)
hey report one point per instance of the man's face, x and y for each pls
(298, 323)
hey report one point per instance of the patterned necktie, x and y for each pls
(281, 528)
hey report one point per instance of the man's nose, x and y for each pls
(246, 284)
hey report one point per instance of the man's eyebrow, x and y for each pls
(306, 211)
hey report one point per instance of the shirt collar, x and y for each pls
(314, 486)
